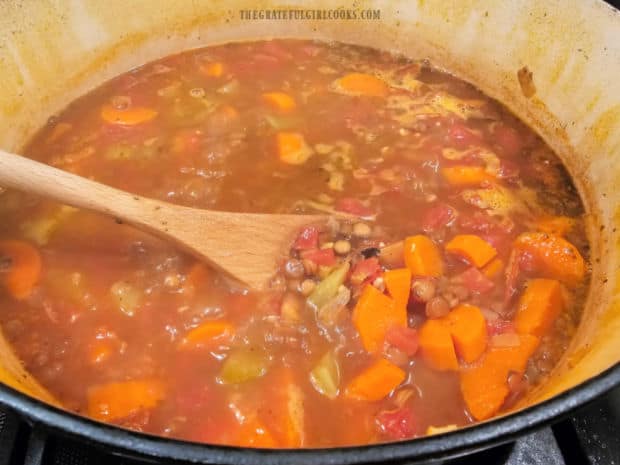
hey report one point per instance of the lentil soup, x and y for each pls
(447, 282)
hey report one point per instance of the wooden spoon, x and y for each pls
(245, 246)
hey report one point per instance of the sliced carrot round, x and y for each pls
(116, 400)
(554, 256)
(215, 69)
(476, 250)
(461, 176)
(206, 334)
(375, 382)
(469, 331)
(362, 84)
(484, 385)
(128, 116)
(292, 148)
(24, 268)
(539, 306)
(422, 256)
(436, 345)
(280, 101)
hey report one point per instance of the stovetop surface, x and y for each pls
(590, 436)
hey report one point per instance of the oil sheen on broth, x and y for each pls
(448, 281)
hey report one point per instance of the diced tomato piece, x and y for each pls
(437, 216)
(499, 327)
(307, 239)
(397, 424)
(475, 280)
(365, 271)
(519, 261)
(508, 139)
(512, 276)
(461, 137)
(353, 206)
(404, 339)
(325, 257)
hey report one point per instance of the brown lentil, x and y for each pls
(342, 247)
(437, 307)
(362, 230)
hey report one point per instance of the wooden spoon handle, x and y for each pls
(27, 175)
(243, 245)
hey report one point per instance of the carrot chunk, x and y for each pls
(539, 306)
(484, 388)
(127, 117)
(485, 385)
(208, 333)
(554, 256)
(436, 345)
(476, 250)
(292, 148)
(469, 331)
(253, 433)
(493, 268)
(215, 69)
(280, 101)
(113, 401)
(375, 382)
(461, 176)
(398, 285)
(362, 84)
(374, 314)
(23, 264)
(422, 256)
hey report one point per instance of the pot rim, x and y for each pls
(452, 444)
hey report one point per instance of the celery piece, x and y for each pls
(325, 376)
(243, 365)
(328, 288)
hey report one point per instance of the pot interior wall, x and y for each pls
(52, 52)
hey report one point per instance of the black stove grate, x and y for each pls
(591, 436)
